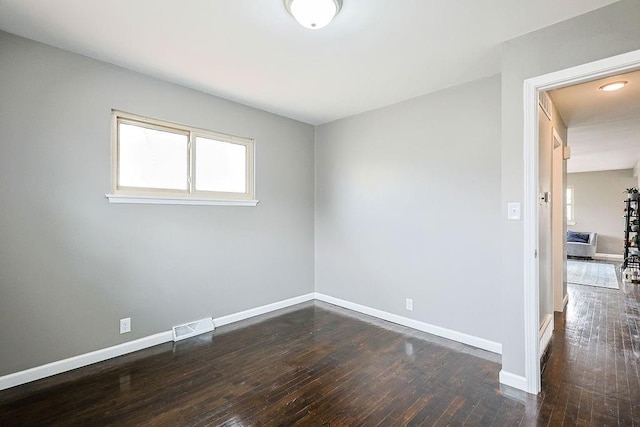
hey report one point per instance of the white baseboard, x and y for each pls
(247, 314)
(513, 380)
(546, 330)
(611, 257)
(471, 340)
(54, 368)
(60, 366)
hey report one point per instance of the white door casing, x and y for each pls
(567, 77)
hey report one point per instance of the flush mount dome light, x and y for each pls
(613, 86)
(313, 14)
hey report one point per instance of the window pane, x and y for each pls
(152, 158)
(569, 213)
(569, 194)
(220, 166)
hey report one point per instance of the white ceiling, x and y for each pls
(375, 53)
(603, 127)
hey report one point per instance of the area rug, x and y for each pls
(592, 274)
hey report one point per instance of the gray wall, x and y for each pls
(407, 205)
(600, 34)
(599, 203)
(71, 264)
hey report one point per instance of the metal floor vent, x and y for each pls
(192, 329)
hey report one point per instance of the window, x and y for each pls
(160, 162)
(570, 206)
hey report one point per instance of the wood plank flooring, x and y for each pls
(591, 377)
(320, 365)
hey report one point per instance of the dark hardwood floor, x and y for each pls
(592, 376)
(317, 364)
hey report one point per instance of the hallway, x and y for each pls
(591, 374)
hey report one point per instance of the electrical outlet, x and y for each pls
(409, 304)
(125, 325)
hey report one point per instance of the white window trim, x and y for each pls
(176, 197)
(572, 220)
(156, 200)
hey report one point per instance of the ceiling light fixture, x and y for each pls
(313, 14)
(613, 86)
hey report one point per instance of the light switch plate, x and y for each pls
(514, 211)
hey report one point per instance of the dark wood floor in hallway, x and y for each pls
(591, 377)
(316, 364)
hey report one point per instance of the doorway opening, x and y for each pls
(532, 87)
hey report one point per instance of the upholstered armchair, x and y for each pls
(582, 244)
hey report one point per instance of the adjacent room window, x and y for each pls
(161, 162)
(570, 208)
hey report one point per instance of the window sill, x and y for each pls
(571, 223)
(155, 200)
